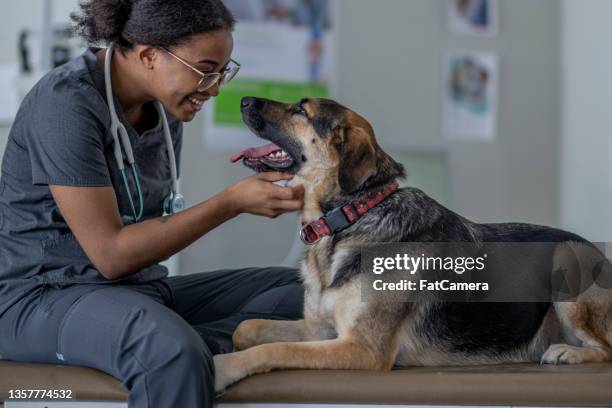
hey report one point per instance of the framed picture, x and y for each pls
(287, 52)
(470, 95)
(473, 17)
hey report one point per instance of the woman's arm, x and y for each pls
(117, 251)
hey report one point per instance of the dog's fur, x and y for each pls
(337, 159)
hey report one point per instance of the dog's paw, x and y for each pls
(566, 354)
(227, 371)
(246, 334)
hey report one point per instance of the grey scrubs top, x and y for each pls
(61, 135)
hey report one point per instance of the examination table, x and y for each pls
(501, 385)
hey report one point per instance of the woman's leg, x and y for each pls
(158, 357)
(214, 303)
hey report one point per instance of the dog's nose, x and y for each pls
(247, 101)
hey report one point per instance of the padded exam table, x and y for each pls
(588, 385)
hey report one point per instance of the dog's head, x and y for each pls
(330, 148)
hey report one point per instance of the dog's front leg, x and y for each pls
(261, 331)
(340, 353)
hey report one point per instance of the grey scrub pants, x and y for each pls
(158, 337)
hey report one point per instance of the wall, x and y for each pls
(391, 72)
(586, 155)
(25, 14)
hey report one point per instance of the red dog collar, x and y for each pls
(341, 217)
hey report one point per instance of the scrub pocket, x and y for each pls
(49, 293)
(63, 249)
(66, 263)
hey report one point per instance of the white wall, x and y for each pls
(17, 15)
(27, 13)
(586, 118)
(390, 57)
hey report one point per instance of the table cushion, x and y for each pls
(508, 384)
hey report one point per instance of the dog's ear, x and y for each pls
(357, 157)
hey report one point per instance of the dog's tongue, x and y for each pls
(255, 152)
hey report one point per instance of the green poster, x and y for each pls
(226, 110)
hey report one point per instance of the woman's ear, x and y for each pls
(147, 55)
(357, 158)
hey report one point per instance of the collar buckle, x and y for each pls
(309, 239)
(336, 219)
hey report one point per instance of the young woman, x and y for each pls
(81, 224)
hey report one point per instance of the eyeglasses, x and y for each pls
(208, 80)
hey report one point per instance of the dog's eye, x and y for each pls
(299, 110)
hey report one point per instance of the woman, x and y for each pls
(79, 279)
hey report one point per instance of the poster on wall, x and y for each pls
(470, 95)
(286, 49)
(474, 17)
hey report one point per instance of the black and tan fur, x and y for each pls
(336, 158)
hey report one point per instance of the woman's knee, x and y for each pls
(166, 338)
(166, 360)
(189, 346)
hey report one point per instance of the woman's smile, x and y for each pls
(194, 103)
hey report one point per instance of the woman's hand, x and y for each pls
(258, 195)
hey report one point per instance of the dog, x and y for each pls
(333, 152)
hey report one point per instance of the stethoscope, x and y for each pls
(175, 201)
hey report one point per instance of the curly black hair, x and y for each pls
(163, 23)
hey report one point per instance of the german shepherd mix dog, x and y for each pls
(333, 153)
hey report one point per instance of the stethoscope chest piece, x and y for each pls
(174, 203)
